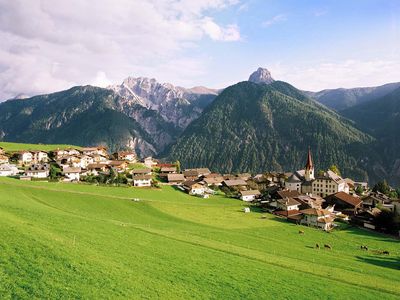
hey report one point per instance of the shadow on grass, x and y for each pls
(351, 229)
(387, 262)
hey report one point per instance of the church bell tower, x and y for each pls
(309, 170)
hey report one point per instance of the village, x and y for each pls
(303, 197)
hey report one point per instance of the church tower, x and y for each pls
(309, 170)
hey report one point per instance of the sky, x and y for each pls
(51, 45)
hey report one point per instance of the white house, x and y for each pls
(125, 155)
(287, 204)
(249, 195)
(39, 156)
(38, 171)
(193, 187)
(72, 174)
(25, 157)
(8, 170)
(142, 180)
(320, 218)
(95, 151)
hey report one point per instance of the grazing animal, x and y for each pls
(326, 246)
(301, 231)
(385, 252)
(364, 247)
(317, 246)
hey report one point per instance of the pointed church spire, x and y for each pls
(309, 164)
(309, 171)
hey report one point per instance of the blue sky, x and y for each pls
(311, 44)
(291, 37)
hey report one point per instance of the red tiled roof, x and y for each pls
(354, 201)
(288, 194)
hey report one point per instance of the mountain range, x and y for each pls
(256, 125)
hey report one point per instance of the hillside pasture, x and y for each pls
(14, 147)
(62, 240)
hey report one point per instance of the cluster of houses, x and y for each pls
(302, 196)
(75, 164)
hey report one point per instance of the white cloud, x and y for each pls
(347, 74)
(214, 31)
(47, 45)
(101, 80)
(275, 20)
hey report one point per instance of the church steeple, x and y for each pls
(309, 170)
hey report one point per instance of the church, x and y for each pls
(305, 181)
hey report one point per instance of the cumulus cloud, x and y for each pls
(217, 33)
(48, 46)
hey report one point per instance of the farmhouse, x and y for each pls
(135, 172)
(102, 151)
(374, 199)
(287, 204)
(282, 194)
(344, 202)
(118, 165)
(258, 182)
(213, 180)
(96, 169)
(193, 187)
(98, 158)
(249, 195)
(59, 153)
(3, 159)
(39, 157)
(309, 201)
(168, 170)
(196, 173)
(24, 157)
(125, 155)
(38, 171)
(72, 174)
(8, 170)
(320, 218)
(234, 183)
(175, 178)
(141, 180)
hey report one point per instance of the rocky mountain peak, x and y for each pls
(262, 75)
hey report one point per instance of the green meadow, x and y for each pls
(13, 147)
(61, 240)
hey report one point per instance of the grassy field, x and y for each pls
(11, 147)
(80, 241)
